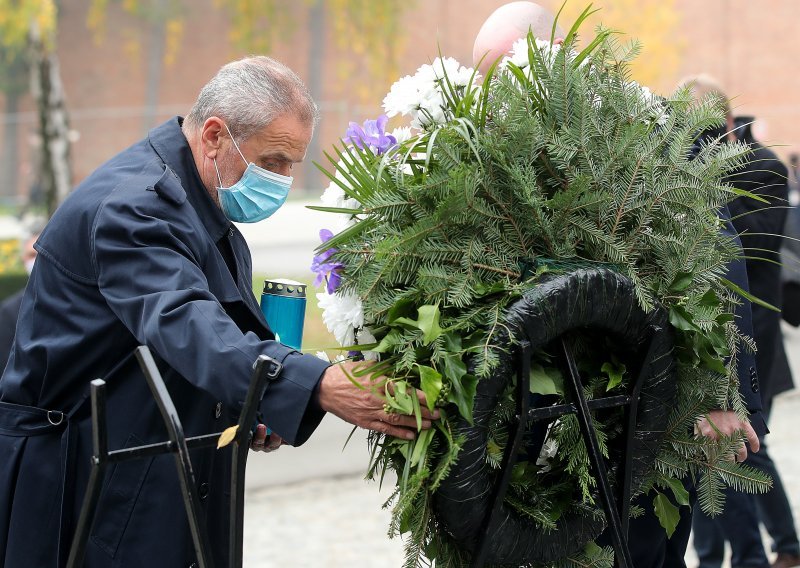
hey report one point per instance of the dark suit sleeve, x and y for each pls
(755, 220)
(746, 363)
(149, 272)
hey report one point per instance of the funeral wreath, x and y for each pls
(552, 194)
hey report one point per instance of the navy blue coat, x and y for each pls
(136, 255)
(761, 226)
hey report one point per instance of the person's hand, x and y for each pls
(364, 407)
(726, 423)
(263, 442)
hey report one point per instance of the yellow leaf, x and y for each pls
(227, 436)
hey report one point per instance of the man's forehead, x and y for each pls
(286, 137)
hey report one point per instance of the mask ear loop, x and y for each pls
(218, 176)
(236, 145)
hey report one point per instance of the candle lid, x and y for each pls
(285, 287)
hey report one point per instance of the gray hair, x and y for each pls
(249, 94)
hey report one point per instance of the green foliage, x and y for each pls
(555, 163)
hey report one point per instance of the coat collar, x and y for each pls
(172, 147)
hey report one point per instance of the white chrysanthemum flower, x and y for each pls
(365, 337)
(403, 97)
(342, 314)
(422, 96)
(519, 53)
(322, 355)
(457, 75)
(402, 134)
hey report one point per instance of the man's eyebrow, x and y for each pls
(277, 155)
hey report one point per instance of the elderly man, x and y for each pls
(144, 252)
(647, 540)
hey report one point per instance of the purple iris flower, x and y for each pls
(324, 268)
(372, 135)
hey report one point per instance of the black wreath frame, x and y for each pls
(596, 299)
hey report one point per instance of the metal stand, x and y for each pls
(265, 370)
(616, 509)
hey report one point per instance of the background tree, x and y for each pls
(14, 83)
(29, 27)
(654, 23)
(364, 29)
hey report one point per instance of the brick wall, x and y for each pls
(750, 46)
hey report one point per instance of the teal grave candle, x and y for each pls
(283, 303)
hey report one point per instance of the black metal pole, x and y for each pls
(183, 462)
(630, 427)
(99, 461)
(265, 370)
(619, 540)
(515, 437)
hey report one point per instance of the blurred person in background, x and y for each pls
(790, 250)
(760, 226)
(649, 544)
(145, 252)
(9, 309)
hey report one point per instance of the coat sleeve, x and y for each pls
(736, 272)
(757, 222)
(147, 259)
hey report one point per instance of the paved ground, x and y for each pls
(310, 507)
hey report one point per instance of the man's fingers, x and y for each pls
(752, 438)
(259, 438)
(392, 430)
(409, 421)
(423, 403)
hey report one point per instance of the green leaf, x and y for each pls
(678, 490)
(745, 294)
(667, 513)
(711, 360)
(392, 339)
(402, 308)
(681, 319)
(462, 394)
(344, 210)
(710, 300)
(431, 383)
(400, 399)
(681, 282)
(421, 444)
(614, 373)
(546, 380)
(452, 342)
(429, 323)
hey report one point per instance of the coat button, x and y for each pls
(203, 491)
(218, 410)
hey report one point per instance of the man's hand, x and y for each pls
(363, 407)
(726, 423)
(263, 443)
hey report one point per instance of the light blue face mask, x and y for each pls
(256, 196)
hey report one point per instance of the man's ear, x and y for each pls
(211, 136)
(731, 126)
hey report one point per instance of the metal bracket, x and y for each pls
(265, 370)
(615, 510)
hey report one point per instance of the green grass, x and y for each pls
(13, 282)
